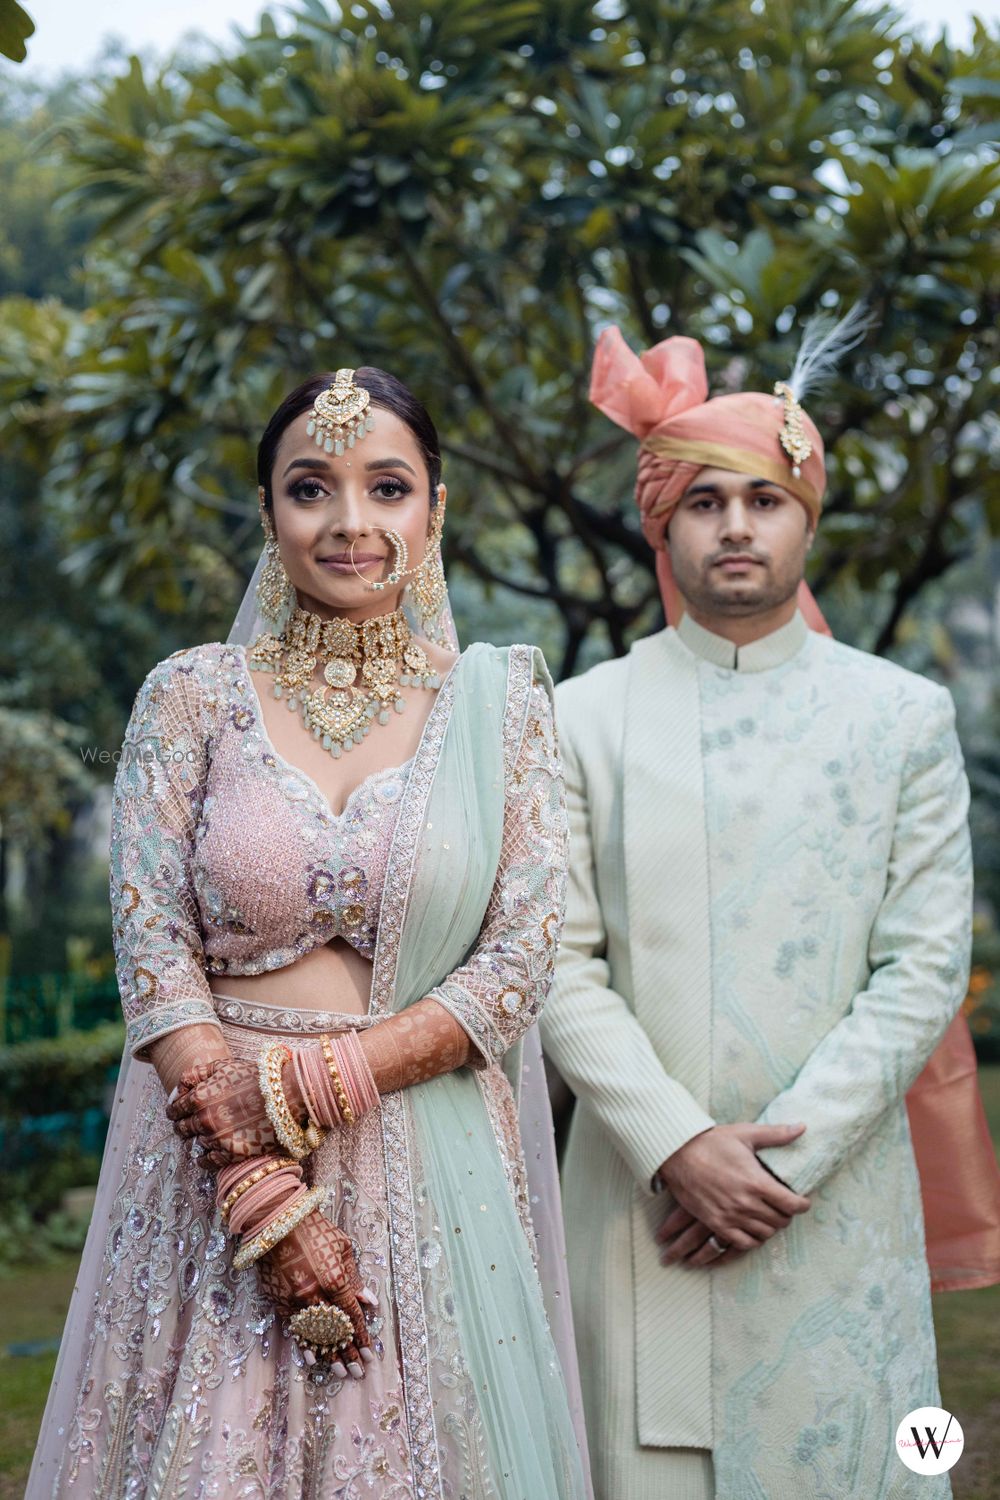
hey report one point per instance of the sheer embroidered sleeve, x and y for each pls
(500, 991)
(158, 794)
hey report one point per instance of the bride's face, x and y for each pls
(322, 503)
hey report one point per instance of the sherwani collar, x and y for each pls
(770, 651)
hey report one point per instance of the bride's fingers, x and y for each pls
(368, 1298)
(352, 1307)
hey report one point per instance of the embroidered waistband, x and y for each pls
(263, 1017)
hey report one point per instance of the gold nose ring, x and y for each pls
(398, 570)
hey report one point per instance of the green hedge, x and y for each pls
(51, 1003)
(53, 1119)
(68, 1073)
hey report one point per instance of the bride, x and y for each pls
(338, 855)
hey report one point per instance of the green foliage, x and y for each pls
(982, 1006)
(465, 194)
(15, 28)
(66, 1073)
(68, 1076)
(42, 776)
(41, 248)
(28, 1241)
(47, 1004)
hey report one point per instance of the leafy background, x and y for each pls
(465, 194)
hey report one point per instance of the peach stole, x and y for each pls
(661, 397)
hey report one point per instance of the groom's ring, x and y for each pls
(717, 1245)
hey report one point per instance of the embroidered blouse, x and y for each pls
(227, 859)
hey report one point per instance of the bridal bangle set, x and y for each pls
(334, 1080)
(290, 1134)
(274, 1198)
(337, 1086)
(275, 1229)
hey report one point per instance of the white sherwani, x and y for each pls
(769, 919)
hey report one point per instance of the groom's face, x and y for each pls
(737, 544)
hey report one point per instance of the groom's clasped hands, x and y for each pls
(726, 1201)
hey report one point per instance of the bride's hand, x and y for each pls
(220, 1103)
(315, 1263)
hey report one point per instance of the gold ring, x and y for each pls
(323, 1328)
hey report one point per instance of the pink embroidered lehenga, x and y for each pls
(176, 1378)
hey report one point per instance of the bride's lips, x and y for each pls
(341, 563)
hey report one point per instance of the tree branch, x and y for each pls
(470, 371)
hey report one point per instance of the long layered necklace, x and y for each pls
(341, 711)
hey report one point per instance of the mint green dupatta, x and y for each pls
(479, 1361)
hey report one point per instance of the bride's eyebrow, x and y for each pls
(391, 463)
(306, 463)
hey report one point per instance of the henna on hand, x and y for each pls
(315, 1263)
(420, 1043)
(220, 1103)
(186, 1048)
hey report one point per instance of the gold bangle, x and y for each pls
(287, 1129)
(343, 1103)
(259, 1244)
(314, 1134)
(248, 1182)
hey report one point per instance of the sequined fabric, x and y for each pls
(226, 859)
(184, 1382)
(192, 1385)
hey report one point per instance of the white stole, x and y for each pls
(667, 889)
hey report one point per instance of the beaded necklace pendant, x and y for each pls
(341, 712)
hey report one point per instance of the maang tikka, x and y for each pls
(341, 415)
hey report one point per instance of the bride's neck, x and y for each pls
(379, 605)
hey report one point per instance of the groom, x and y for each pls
(767, 935)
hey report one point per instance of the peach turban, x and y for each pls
(662, 398)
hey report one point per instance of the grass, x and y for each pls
(33, 1306)
(968, 1334)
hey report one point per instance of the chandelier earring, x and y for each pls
(427, 587)
(275, 594)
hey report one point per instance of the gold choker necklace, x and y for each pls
(340, 714)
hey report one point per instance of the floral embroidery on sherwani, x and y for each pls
(829, 853)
